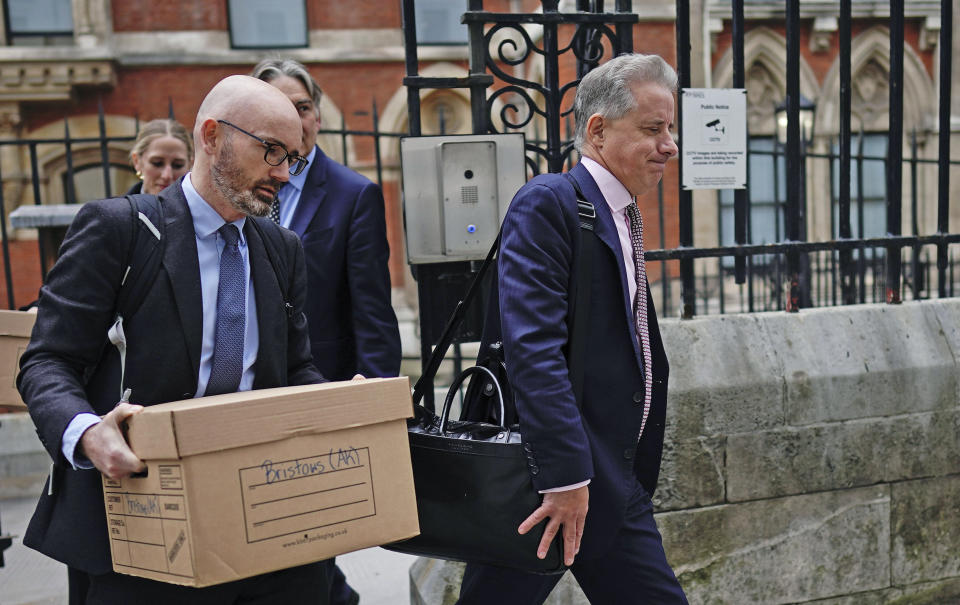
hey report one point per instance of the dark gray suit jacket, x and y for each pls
(69, 367)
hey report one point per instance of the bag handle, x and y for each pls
(445, 412)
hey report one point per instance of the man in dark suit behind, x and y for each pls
(200, 331)
(606, 454)
(339, 216)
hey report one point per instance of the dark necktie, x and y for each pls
(640, 305)
(275, 210)
(227, 364)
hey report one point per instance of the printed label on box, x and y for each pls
(288, 497)
(149, 531)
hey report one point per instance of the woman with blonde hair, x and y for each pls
(162, 153)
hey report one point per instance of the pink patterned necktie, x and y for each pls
(640, 305)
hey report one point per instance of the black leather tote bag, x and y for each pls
(474, 489)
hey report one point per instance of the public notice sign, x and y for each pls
(714, 138)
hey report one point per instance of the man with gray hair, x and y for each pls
(339, 216)
(602, 452)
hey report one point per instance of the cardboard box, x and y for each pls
(247, 483)
(15, 328)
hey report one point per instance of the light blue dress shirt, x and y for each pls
(289, 194)
(206, 221)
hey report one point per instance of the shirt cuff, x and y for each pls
(71, 438)
(565, 488)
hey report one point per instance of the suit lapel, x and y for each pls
(182, 265)
(271, 317)
(606, 231)
(313, 195)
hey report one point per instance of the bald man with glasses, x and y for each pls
(207, 326)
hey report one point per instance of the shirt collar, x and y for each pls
(300, 180)
(206, 220)
(613, 191)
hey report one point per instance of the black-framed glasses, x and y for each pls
(275, 153)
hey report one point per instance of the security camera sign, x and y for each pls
(714, 138)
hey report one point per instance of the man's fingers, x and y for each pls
(548, 534)
(581, 523)
(124, 411)
(535, 517)
(570, 542)
(105, 446)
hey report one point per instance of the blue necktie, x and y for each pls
(227, 364)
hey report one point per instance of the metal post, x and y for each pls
(551, 83)
(70, 191)
(741, 203)
(794, 214)
(625, 30)
(35, 171)
(914, 220)
(4, 239)
(478, 67)
(687, 279)
(104, 151)
(895, 150)
(847, 286)
(376, 144)
(943, 157)
(410, 52)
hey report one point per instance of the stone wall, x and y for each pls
(810, 458)
(815, 457)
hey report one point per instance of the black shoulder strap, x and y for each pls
(147, 243)
(581, 306)
(273, 246)
(145, 255)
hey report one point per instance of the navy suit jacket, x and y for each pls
(70, 368)
(536, 274)
(340, 220)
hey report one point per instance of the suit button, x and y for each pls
(527, 447)
(534, 469)
(638, 397)
(628, 454)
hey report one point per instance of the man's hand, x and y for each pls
(105, 446)
(567, 508)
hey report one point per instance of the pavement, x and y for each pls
(29, 578)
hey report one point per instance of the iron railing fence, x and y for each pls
(765, 282)
(739, 275)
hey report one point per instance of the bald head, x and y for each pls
(236, 98)
(230, 171)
